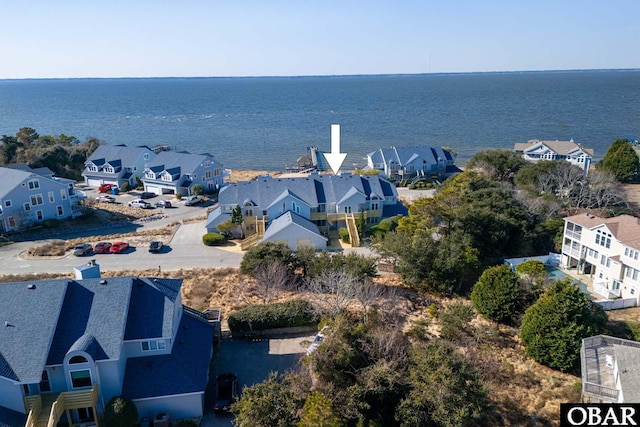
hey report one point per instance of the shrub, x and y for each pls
(259, 317)
(496, 294)
(139, 183)
(178, 196)
(51, 223)
(344, 235)
(120, 412)
(213, 239)
(125, 187)
(197, 189)
(264, 254)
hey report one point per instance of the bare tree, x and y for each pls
(333, 291)
(271, 278)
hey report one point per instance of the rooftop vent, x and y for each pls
(103, 282)
(7, 324)
(31, 286)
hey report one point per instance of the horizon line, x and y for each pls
(329, 75)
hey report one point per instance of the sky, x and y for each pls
(210, 38)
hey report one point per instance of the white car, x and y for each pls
(193, 200)
(139, 203)
(105, 198)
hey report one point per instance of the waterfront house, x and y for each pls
(535, 150)
(294, 231)
(68, 346)
(176, 172)
(30, 196)
(116, 164)
(607, 249)
(610, 370)
(409, 162)
(326, 201)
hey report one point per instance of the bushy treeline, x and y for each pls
(64, 155)
(280, 315)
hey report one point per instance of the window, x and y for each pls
(33, 185)
(63, 194)
(78, 359)
(36, 200)
(146, 156)
(27, 207)
(153, 345)
(51, 199)
(7, 203)
(45, 385)
(603, 239)
(12, 222)
(347, 209)
(60, 210)
(207, 174)
(80, 378)
(39, 215)
(207, 163)
(632, 291)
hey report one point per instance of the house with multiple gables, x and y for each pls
(316, 204)
(173, 172)
(116, 164)
(409, 162)
(535, 150)
(68, 346)
(31, 196)
(607, 249)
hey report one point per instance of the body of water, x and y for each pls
(267, 122)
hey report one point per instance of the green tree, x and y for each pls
(445, 389)
(455, 321)
(271, 403)
(502, 165)
(120, 412)
(319, 412)
(197, 189)
(553, 327)
(621, 160)
(264, 254)
(496, 294)
(236, 215)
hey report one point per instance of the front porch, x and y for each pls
(46, 410)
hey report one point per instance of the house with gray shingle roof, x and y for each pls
(31, 196)
(409, 162)
(294, 231)
(574, 153)
(81, 342)
(176, 172)
(116, 164)
(324, 200)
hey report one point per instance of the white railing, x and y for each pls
(573, 235)
(570, 251)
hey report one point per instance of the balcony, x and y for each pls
(46, 410)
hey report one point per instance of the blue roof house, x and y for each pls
(31, 196)
(176, 172)
(116, 164)
(409, 162)
(68, 346)
(324, 200)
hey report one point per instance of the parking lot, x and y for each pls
(252, 361)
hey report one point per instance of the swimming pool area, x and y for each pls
(556, 274)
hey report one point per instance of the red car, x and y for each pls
(102, 248)
(119, 247)
(105, 188)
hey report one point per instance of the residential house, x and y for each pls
(409, 162)
(535, 150)
(116, 164)
(294, 231)
(177, 172)
(610, 370)
(607, 249)
(31, 196)
(79, 343)
(326, 201)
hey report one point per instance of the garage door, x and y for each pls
(153, 189)
(93, 182)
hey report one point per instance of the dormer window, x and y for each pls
(34, 185)
(92, 168)
(78, 359)
(146, 156)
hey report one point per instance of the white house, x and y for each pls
(31, 196)
(80, 342)
(608, 249)
(116, 164)
(535, 150)
(294, 231)
(409, 162)
(176, 172)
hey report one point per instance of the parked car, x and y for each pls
(118, 247)
(139, 203)
(105, 188)
(147, 195)
(163, 204)
(226, 392)
(82, 249)
(155, 246)
(193, 200)
(317, 340)
(105, 198)
(102, 248)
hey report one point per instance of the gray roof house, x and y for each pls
(574, 153)
(294, 231)
(93, 339)
(31, 196)
(409, 162)
(610, 369)
(116, 164)
(176, 172)
(324, 200)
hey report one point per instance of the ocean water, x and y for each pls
(267, 122)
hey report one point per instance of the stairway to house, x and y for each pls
(45, 412)
(354, 238)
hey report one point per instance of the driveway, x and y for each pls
(252, 361)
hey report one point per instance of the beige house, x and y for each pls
(574, 153)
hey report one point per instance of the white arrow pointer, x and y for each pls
(335, 158)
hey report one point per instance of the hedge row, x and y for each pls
(280, 315)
